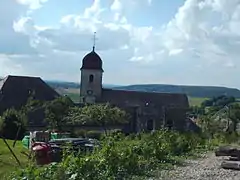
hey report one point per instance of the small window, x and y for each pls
(169, 123)
(91, 77)
(150, 125)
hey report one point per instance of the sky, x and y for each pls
(188, 42)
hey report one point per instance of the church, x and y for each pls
(149, 110)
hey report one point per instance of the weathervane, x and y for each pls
(94, 40)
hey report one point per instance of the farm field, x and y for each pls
(74, 97)
(7, 161)
(196, 101)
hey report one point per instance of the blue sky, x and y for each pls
(192, 42)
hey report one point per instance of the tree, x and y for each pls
(219, 101)
(195, 110)
(234, 115)
(207, 103)
(31, 105)
(12, 123)
(56, 111)
(221, 119)
(103, 115)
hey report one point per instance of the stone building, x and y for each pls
(15, 91)
(148, 110)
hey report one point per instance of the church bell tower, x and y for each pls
(91, 77)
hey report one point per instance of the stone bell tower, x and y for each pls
(91, 77)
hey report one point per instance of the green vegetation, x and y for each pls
(12, 124)
(136, 155)
(195, 101)
(7, 162)
(56, 111)
(61, 112)
(193, 91)
(124, 157)
(73, 96)
(218, 114)
(219, 101)
(102, 115)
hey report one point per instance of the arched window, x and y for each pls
(91, 77)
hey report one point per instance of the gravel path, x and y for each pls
(205, 168)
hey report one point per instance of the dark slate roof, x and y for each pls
(121, 97)
(15, 91)
(92, 61)
(2, 82)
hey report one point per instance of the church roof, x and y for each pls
(15, 91)
(92, 61)
(122, 97)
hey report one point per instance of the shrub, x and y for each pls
(79, 133)
(121, 157)
(94, 134)
(12, 123)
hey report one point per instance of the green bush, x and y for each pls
(79, 133)
(11, 122)
(88, 134)
(94, 134)
(121, 157)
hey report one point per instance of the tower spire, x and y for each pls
(94, 41)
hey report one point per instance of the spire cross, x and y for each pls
(94, 40)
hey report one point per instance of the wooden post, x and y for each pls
(14, 143)
(228, 118)
(4, 140)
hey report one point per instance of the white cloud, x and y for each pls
(116, 6)
(175, 52)
(94, 11)
(8, 66)
(203, 37)
(203, 28)
(24, 25)
(32, 4)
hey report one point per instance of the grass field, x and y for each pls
(73, 96)
(196, 101)
(7, 161)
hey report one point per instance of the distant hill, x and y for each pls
(71, 85)
(62, 84)
(192, 91)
